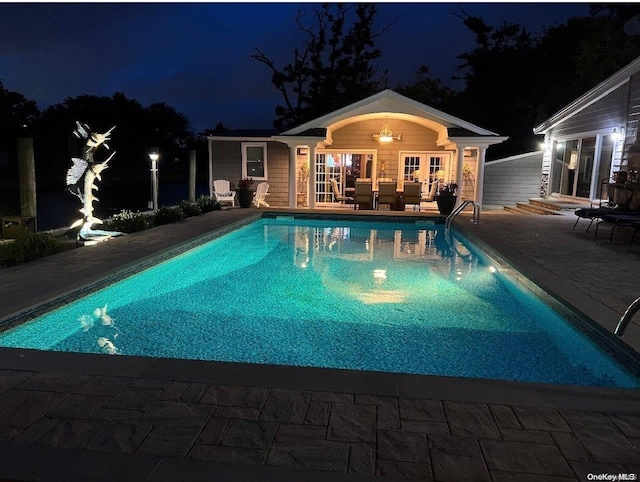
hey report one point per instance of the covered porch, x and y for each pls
(386, 137)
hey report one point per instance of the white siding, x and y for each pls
(513, 179)
(608, 112)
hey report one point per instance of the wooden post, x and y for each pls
(192, 176)
(27, 175)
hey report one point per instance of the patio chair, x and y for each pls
(432, 193)
(364, 194)
(223, 193)
(386, 194)
(412, 194)
(336, 193)
(262, 191)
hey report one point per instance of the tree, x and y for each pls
(219, 128)
(579, 54)
(334, 67)
(137, 130)
(430, 91)
(500, 77)
(17, 113)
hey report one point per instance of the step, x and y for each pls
(538, 209)
(557, 204)
(517, 210)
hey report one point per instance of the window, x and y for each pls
(411, 165)
(254, 160)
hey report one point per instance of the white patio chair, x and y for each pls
(432, 194)
(262, 191)
(223, 193)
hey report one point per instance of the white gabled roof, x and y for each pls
(605, 87)
(388, 102)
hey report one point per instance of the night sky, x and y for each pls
(196, 57)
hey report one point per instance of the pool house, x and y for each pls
(385, 136)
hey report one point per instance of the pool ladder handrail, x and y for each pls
(626, 317)
(474, 219)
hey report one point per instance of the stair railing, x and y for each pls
(626, 317)
(474, 219)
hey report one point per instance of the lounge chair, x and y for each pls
(597, 213)
(223, 193)
(386, 194)
(341, 198)
(618, 221)
(412, 194)
(262, 191)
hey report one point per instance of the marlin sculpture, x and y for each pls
(81, 178)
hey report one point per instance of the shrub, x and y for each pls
(168, 215)
(28, 247)
(128, 222)
(208, 204)
(190, 209)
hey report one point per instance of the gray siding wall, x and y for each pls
(226, 163)
(608, 112)
(278, 174)
(513, 179)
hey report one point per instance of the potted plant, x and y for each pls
(446, 198)
(244, 193)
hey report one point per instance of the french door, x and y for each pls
(425, 167)
(344, 167)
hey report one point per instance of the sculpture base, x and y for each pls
(95, 236)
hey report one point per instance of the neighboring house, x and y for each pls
(594, 137)
(386, 135)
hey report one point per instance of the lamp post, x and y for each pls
(154, 156)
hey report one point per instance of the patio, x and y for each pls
(78, 417)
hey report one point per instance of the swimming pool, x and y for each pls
(391, 297)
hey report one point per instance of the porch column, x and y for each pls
(312, 177)
(459, 174)
(482, 152)
(293, 169)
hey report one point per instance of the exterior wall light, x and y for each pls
(617, 134)
(386, 136)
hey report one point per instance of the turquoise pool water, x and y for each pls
(392, 297)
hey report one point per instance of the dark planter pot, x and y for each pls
(446, 203)
(245, 197)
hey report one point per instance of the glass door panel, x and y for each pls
(585, 167)
(570, 163)
(557, 167)
(343, 167)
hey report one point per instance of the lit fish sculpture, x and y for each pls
(81, 179)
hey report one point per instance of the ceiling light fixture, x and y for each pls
(386, 136)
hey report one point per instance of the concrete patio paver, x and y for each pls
(76, 416)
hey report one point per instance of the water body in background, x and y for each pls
(61, 209)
